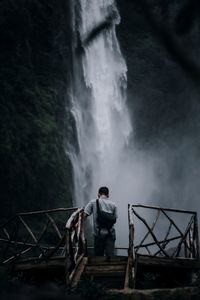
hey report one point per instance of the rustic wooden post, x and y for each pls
(196, 237)
(83, 247)
(131, 251)
(67, 256)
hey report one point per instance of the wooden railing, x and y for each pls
(45, 234)
(34, 234)
(130, 270)
(182, 233)
(59, 232)
(180, 229)
(76, 247)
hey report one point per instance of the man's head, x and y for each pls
(103, 191)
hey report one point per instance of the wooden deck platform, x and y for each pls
(110, 273)
(56, 249)
(165, 262)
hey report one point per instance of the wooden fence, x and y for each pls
(46, 234)
(169, 226)
(34, 234)
(76, 247)
(172, 225)
(43, 235)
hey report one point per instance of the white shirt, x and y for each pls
(105, 204)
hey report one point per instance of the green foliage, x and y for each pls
(34, 172)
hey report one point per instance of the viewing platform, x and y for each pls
(163, 249)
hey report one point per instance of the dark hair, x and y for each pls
(104, 191)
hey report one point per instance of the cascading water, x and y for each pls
(100, 145)
(98, 102)
(98, 106)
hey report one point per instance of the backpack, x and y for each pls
(105, 219)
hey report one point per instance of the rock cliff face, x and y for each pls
(161, 52)
(34, 56)
(160, 43)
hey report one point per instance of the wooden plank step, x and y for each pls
(165, 262)
(103, 260)
(106, 270)
(110, 282)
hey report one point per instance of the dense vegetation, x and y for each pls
(160, 41)
(163, 90)
(34, 169)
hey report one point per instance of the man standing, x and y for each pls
(104, 236)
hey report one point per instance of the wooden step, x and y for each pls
(110, 273)
(100, 266)
(103, 260)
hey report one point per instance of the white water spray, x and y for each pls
(103, 129)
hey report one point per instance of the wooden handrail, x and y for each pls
(37, 212)
(166, 209)
(188, 238)
(130, 270)
(75, 243)
(28, 230)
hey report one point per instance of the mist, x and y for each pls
(163, 98)
(148, 153)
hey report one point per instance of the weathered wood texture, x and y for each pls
(40, 263)
(75, 244)
(163, 262)
(130, 270)
(187, 240)
(37, 233)
(58, 245)
(79, 271)
(110, 273)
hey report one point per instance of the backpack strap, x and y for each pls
(98, 212)
(98, 208)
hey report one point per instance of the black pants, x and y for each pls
(104, 245)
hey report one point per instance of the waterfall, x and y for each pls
(101, 123)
